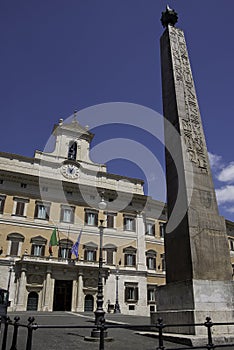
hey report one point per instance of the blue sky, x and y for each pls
(58, 56)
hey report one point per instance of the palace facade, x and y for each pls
(60, 190)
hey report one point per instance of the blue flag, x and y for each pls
(75, 247)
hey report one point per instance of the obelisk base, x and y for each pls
(190, 302)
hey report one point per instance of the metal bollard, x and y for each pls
(209, 325)
(160, 327)
(30, 331)
(102, 335)
(15, 334)
(4, 341)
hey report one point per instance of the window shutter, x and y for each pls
(110, 221)
(126, 294)
(43, 250)
(147, 261)
(36, 211)
(47, 208)
(96, 219)
(86, 217)
(72, 215)
(95, 256)
(2, 202)
(14, 248)
(61, 214)
(19, 208)
(133, 224)
(125, 225)
(134, 260)
(125, 259)
(136, 293)
(109, 254)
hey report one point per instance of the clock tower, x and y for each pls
(70, 154)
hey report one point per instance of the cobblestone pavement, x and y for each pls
(60, 339)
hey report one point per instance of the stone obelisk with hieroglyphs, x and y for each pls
(198, 267)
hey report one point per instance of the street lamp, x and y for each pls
(100, 313)
(11, 269)
(117, 307)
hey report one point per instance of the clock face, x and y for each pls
(71, 171)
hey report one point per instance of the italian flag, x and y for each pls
(53, 241)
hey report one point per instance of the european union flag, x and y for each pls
(75, 247)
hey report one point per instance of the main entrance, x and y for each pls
(32, 301)
(88, 306)
(62, 295)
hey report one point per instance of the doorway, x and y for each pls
(62, 295)
(32, 301)
(88, 306)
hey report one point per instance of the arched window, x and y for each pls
(129, 256)
(151, 259)
(110, 249)
(15, 240)
(65, 248)
(90, 251)
(38, 246)
(72, 150)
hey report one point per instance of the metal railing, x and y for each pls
(159, 327)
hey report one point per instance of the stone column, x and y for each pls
(74, 295)
(47, 291)
(80, 296)
(140, 231)
(22, 293)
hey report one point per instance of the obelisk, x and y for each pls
(198, 268)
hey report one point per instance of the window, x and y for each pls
(231, 244)
(65, 246)
(130, 256)
(131, 292)
(91, 217)
(42, 211)
(163, 262)
(151, 259)
(150, 229)
(38, 246)
(37, 250)
(20, 206)
(90, 251)
(19, 211)
(67, 214)
(110, 249)
(2, 203)
(151, 294)
(16, 240)
(23, 185)
(129, 223)
(110, 220)
(72, 150)
(162, 229)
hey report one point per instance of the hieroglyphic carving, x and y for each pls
(190, 122)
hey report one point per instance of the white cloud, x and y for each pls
(215, 161)
(227, 174)
(230, 210)
(225, 194)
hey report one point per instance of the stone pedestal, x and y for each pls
(192, 301)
